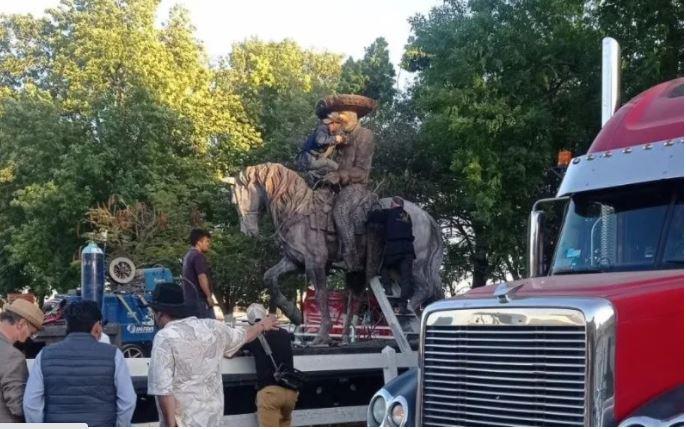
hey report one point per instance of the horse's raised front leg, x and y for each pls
(317, 275)
(271, 280)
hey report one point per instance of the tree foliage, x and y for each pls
(501, 86)
(111, 123)
(651, 39)
(373, 75)
(278, 83)
(97, 102)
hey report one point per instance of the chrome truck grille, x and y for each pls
(497, 367)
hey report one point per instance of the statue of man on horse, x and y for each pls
(302, 216)
(354, 167)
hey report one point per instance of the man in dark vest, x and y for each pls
(80, 380)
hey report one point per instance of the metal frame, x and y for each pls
(300, 333)
(389, 314)
(245, 365)
(599, 319)
(625, 166)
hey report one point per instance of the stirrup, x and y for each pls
(339, 265)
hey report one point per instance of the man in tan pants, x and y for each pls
(275, 403)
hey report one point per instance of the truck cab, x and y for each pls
(594, 336)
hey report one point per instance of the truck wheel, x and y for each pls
(132, 351)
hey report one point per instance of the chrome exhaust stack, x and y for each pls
(611, 79)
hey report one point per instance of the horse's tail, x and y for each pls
(434, 261)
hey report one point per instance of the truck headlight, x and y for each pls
(379, 409)
(398, 414)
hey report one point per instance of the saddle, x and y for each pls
(321, 214)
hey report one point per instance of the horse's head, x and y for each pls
(248, 198)
(268, 186)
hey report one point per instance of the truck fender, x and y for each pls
(667, 409)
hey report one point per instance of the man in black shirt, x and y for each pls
(275, 403)
(197, 288)
(398, 251)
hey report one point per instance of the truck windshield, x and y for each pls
(635, 228)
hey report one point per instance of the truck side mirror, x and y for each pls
(544, 222)
(535, 254)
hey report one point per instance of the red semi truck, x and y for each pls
(595, 335)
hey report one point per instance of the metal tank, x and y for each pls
(92, 273)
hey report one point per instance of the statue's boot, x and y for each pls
(339, 265)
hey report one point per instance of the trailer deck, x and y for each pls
(341, 381)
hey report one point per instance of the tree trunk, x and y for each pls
(480, 266)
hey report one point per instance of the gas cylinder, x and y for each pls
(92, 273)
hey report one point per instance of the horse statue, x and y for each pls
(307, 247)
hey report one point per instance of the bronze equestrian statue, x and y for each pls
(304, 219)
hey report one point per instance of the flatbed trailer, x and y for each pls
(341, 381)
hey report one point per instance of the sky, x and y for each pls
(344, 27)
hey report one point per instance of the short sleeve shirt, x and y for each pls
(186, 362)
(194, 264)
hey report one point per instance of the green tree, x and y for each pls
(496, 83)
(116, 107)
(501, 86)
(373, 75)
(651, 37)
(278, 83)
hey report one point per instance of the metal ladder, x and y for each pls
(401, 325)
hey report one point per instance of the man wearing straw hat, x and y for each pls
(354, 167)
(18, 322)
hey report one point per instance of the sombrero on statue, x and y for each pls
(345, 102)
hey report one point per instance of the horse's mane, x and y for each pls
(287, 192)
